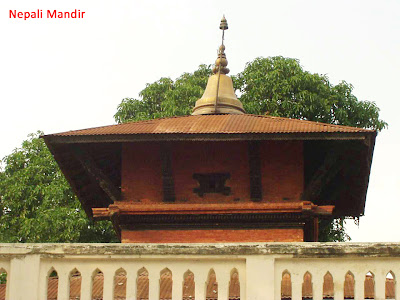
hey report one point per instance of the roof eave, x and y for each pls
(118, 138)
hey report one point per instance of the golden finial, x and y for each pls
(219, 96)
(222, 62)
(223, 25)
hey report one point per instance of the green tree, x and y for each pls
(165, 97)
(3, 278)
(280, 87)
(38, 205)
(277, 86)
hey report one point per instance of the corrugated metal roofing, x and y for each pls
(206, 124)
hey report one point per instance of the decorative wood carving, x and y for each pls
(212, 183)
(255, 171)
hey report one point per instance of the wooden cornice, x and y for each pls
(123, 208)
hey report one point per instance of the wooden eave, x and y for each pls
(127, 138)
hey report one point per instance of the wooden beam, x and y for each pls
(64, 169)
(125, 208)
(331, 166)
(166, 172)
(255, 171)
(97, 174)
(114, 217)
(101, 213)
(316, 229)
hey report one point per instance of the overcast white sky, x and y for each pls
(57, 75)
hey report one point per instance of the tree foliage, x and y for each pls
(165, 97)
(38, 205)
(333, 230)
(277, 86)
(280, 87)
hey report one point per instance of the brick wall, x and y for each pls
(213, 235)
(282, 170)
(141, 172)
(281, 167)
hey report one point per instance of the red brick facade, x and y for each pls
(281, 169)
(281, 165)
(213, 236)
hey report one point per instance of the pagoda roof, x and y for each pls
(91, 158)
(224, 126)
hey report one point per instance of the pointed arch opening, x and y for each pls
(97, 285)
(349, 285)
(234, 285)
(120, 284)
(390, 286)
(286, 285)
(328, 288)
(75, 281)
(142, 283)
(3, 283)
(212, 286)
(369, 286)
(166, 284)
(307, 291)
(52, 284)
(188, 289)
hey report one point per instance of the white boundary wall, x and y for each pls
(260, 267)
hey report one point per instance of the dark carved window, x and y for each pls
(212, 183)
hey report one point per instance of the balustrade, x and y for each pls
(193, 271)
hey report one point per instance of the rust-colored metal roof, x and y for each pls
(212, 124)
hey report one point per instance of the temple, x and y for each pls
(219, 175)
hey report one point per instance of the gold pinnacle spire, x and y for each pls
(219, 96)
